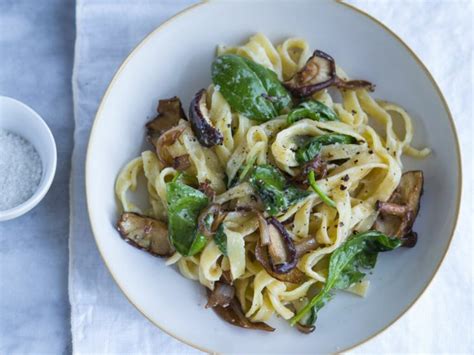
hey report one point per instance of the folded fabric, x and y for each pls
(102, 320)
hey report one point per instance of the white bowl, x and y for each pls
(18, 118)
(175, 59)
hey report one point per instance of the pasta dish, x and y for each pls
(278, 187)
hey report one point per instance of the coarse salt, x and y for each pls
(20, 170)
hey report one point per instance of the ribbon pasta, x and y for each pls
(371, 171)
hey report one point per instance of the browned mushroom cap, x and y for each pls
(181, 162)
(281, 250)
(226, 277)
(318, 73)
(305, 245)
(278, 256)
(354, 84)
(293, 276)
(170, 112)
(207, 189)
(410, 239)
(306, 329)
(166, 139)
(318, 165)
(398, 214)
(210, 218)
(202, 126)
(263, 229)
(234, 315)
(222, 295)
(145, 233)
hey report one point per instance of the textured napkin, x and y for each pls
(102, 319)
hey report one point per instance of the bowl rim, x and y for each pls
(47, 175)
(383, 27)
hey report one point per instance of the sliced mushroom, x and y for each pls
(226, 277)
(354, 84)
(166, 139)
(234, 315)
(201, 125)
(318, 165)
(305, 246)
(170, 111)
(210, 218)
(306, 329)
(278, 256)
(181, 162)
(222, 295)
(263, 228)
(398, 214)
(293, 276)
(392, 208)
(278, 248)
(145, 233)
(207, 189)
(318, 73)
(410, 239)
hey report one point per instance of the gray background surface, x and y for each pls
(36, 58)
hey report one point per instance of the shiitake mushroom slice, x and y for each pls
(201, 124)
(145, 233)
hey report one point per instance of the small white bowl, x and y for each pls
(18, 118)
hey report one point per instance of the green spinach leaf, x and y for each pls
(311, 317)
(220, 238)
(314, 110)
(359, 251)
(249, 88)
(277, 93)
(184, 205)
(273, 189)
(308, 151)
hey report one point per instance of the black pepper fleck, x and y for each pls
(345, 178)
(343, 187)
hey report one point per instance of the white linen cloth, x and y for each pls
(103, 321)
